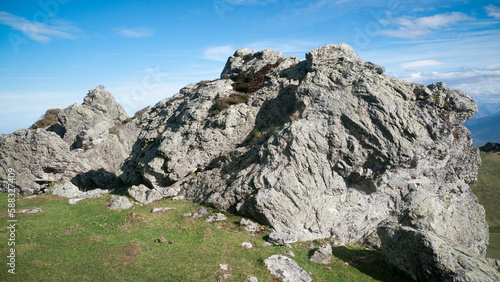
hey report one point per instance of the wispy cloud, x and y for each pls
(138, 32)
(479, 82)
(420, 64)
(418, 27)
(493, 11)
(40, 32)
(219, 53)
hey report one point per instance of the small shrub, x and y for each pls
(201, 84)
(222, 104)
(48, 119)
(246, 83)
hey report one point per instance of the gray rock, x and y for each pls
(286, 269)
(162, 240)
(155, 210)
(281, 238)
(143, 194)
(223, 267)
(322, 255)
(40, 157)
(200, 212)
(65, 189)
(216, 217)
(249, 225)
(247, 245)
(426, 256)
(30, 210)
(252, 279)
(266, 244)
(74, 201)
(289, 253)
(120, 203)
(97, 133)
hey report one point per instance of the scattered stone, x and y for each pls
(224, 276)
(252, 279)
(216, 217)
(322, 255)
(289, 253)
(161, 240)
(329, 268)
(187, 214)
(120, 203)
(224, 267)
(29, 197)
(74, 201)
(171, 242)
(310, 246)
(247, 245)
(248, 225)
(281, 238)
(177, 198)
(155, 210)
(266, 244)
(143, 194)
(286, 269)
(30, 210)
(200, 212)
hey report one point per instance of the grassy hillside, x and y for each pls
(487, 190)
(88, 241)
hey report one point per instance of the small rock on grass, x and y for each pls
(322, 255)
(161, 240)
(252, 279)
(30, 210)
(155, 210)
(247, 245)
(224, 267)
(286, 269)
(200, 212)
(216, 217)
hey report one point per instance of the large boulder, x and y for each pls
(426, 256)
(38, 157)
(329, 147)
(97, 134)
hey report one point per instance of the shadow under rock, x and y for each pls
(371, 263)
(94, 179)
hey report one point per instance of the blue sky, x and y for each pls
(53, 51)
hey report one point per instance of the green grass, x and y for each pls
(88, 241)
(487, 190)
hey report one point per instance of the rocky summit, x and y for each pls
(329, 147)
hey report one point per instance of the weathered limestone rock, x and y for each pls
(426, 256)
(249, 225)
(120, 203)
(329, 147)
(38, 158)
(247, 245)
(143, 194)
(286, 269)
(322, 255)
(97, 133)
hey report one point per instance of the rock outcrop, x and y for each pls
(329, 147)
(95, 135)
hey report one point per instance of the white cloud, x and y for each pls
(493, 11)
(220, 53)
(418, 27)
(476, 82)
(139, 32)
(38, 31)
(420, 64)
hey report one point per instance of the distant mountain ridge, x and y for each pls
(485, 129)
